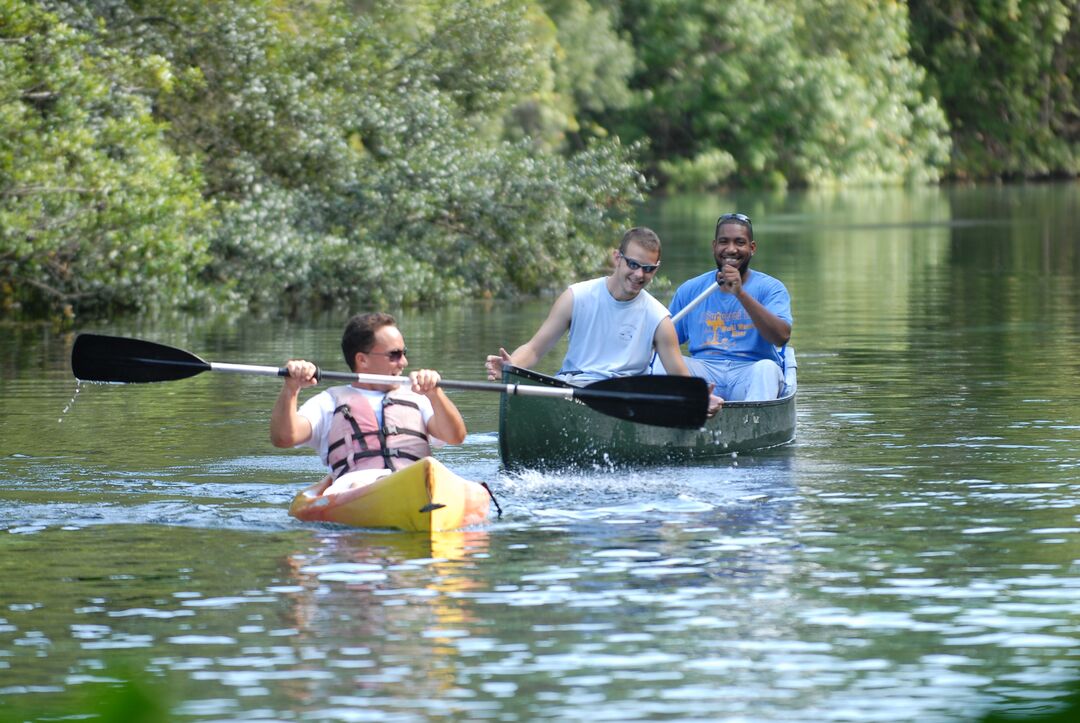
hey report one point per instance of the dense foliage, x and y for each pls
(778, 92)
(386, 152)
(259, 151)
(95, 209)
(1008, 75)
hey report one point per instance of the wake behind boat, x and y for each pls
(536, 434)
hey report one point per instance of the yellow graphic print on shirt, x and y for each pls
(727, 327)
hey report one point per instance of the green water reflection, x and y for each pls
(913, 556)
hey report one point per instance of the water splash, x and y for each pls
(71, 402)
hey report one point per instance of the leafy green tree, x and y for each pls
(590, 67)
(795, 91)
(96, 211)
(1008, 76)
(422, 199)
(359, 153)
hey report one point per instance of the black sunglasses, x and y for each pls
(635, 265)
(394, 354)
(738, 218)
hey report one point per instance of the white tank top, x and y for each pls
(610, 338)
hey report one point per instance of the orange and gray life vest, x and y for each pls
(356, 441)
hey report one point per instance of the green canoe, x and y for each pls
(552, 433)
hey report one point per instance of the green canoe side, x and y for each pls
(551, 433)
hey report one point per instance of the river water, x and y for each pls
(914, 555)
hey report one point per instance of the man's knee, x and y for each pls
(766, 380)
(767, 369)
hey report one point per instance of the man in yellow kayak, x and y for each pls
(365, 427)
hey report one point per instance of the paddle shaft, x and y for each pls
(358, 378)
(697, 300)
(660, 400)
(524, 390)
(686, 310)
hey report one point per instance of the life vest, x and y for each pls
(356, 441)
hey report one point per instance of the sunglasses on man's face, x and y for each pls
(635, 265)
(738, 218)
(394, 354)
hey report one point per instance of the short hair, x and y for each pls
(642, 236)
(359, 334)
(737, 218)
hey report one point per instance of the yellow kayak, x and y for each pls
(425, 496)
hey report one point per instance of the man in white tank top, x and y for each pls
(614, 324)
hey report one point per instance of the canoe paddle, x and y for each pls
(697, 300)
(686, 310)
(664, 401)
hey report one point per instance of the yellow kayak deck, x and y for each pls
(425, 496)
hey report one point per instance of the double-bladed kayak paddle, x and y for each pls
(664, 401)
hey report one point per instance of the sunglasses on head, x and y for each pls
(738, 218)
(635, 265)
(394, 354)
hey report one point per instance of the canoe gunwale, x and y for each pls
(533, 376)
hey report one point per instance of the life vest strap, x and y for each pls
(358, 434)
(358, 438)
(391, 429)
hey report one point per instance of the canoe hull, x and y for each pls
(423, 497)
(549, 433)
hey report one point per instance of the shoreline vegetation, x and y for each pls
(272, 155)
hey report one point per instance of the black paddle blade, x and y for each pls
(660, 400)
(100, 358)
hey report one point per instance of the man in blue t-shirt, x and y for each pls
(735, 335)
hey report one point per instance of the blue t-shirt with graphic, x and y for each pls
(719, 327)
